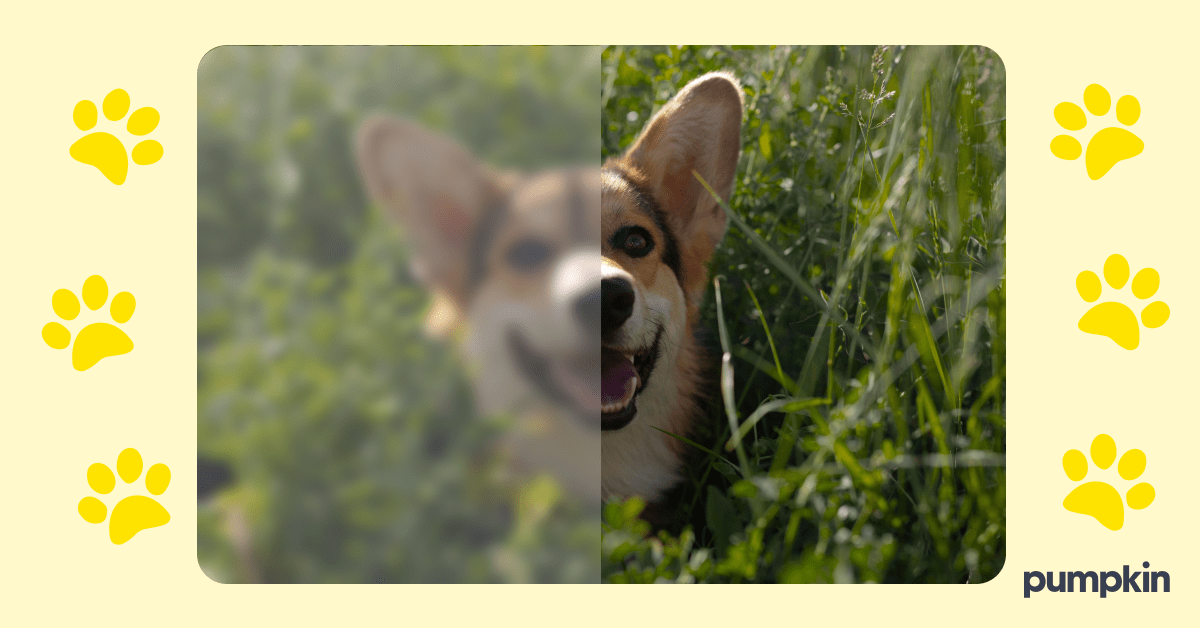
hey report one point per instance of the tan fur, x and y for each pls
(697, 132)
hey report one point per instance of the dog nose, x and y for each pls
(587, 311)
(616, 303)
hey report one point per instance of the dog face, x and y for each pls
(512, 261)
(513, 265)
(659, 227)
(535, 308)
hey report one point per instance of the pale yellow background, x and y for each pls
(64, 222)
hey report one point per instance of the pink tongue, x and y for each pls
(616, 379)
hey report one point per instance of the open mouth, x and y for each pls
(569, 382)
(572, 383)
(623, 376)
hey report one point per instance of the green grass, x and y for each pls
(857, 433)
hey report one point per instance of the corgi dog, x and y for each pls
(659, 228)
(511, 260)
(515, 269)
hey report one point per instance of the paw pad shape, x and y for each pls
(1109, 145)
(1116, 320)
(133, 513)
(1100, 499)
(98, 340)
(106, 152)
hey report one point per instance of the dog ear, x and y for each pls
(698, 130)
(437, 190)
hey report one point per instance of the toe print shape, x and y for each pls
(103, 150)
(1109, 145)
(97, 340)
(135, 512)
(1101, 500)
(1116, 320)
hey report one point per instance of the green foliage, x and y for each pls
(860, 295)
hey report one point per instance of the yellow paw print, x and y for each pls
(1109, 145)
(98, 340)
(1116, 320)
(1100, 499)
(106, 152)
(135, 512)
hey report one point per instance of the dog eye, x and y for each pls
(637, 243)
(529, 255)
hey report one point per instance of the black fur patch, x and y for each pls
(647, 203)
(481, 243)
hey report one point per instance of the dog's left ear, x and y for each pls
(698, 130)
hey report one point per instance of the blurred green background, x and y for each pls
(349, 436)
(861, 437)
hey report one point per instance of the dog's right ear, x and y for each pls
(437, 190)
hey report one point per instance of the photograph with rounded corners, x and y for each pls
(751, 332)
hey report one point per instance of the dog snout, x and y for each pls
(617, 298)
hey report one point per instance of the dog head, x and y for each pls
(512, 261)
(659, 227)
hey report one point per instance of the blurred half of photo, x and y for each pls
(398, 315)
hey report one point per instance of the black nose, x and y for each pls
(587, 311)
(616, 303)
